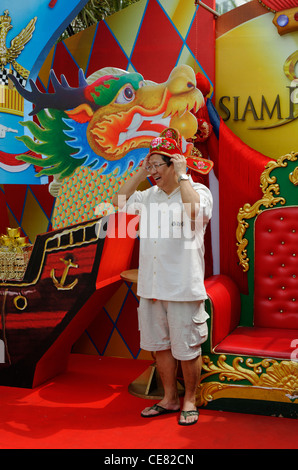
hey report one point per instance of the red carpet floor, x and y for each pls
(89, 407)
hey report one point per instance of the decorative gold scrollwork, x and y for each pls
(270, 198)
(293, 176)
(268, 374)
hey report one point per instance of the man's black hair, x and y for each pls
(166, 159)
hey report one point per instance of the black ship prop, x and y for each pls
(71, 274)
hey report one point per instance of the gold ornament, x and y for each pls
(15, 253)
(267, 379)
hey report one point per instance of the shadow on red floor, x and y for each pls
(89, 407)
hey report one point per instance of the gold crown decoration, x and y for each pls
(5, 20)
(286, 14)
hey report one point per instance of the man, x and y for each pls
(173, 216)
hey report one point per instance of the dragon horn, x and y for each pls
(64, 96)
(82, 80)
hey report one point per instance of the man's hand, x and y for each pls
(145, 164)
(179, 162)
(130, 185)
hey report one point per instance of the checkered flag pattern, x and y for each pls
(4, 77)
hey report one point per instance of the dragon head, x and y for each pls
(130, 112)
(108, 117)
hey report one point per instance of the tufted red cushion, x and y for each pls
(276, 269)
(260, 342)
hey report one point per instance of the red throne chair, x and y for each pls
(250, 362)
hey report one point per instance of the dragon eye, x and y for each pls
(126, 95)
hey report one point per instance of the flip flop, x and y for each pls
(186, 414)
(160, 411)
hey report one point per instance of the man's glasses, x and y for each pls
(154, 166)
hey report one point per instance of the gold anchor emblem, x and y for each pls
(60, 284)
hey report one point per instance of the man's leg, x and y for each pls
(188, 330)
(191, 373)
(167, 368)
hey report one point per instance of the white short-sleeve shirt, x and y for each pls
(171, 258)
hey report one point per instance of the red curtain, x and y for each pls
(238, 168)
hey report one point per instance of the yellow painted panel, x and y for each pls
(181, 13)
(34, 220)
(125, 26)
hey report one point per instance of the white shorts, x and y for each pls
(179, 326)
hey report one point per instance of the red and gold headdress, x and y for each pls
(170, 142)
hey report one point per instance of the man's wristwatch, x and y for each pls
(183, 177)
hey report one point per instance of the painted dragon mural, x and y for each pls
(108, 121)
